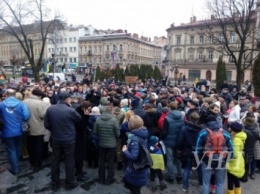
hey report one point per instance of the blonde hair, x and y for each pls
(135, 122)
(19, 96)
(128, 114)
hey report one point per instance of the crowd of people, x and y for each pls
(103, 125)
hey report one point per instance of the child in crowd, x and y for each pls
(158, 163)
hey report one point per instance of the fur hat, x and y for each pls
(236, 127)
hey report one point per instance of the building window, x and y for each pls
(70, 39)
(201, 39)
(80, 49)
(70, 60)
(221, 37)
(74, 49)
(231, 58)
(177, 55)
(121, 47)
(114, 47)
(75, 60)
(75, 39)
(61, 40)
(232, 37)
(65, 39)
(229, 75)
(210, 39)
(194, 74)
(220, 54)
(100, 49)
(191, 57)
(178, 40)
(192, 40)
(107, 47)
(61, 60)
(200, 56)
(49, 50)
(70, 49)
(210, 56)
(65, 49)
(65, 60)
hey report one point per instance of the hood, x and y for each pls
(117, 110)
(141, 132)
(104, 101)
(213, 125)
(164, 109)
(106, 116)
(11, 102)
(193, 127)
(175, 114)
(241, 135)
(237, 107)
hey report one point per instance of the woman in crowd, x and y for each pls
(132, 179)
(236, 166)
(234, 115)
(250, 109)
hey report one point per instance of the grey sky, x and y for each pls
(147, 17)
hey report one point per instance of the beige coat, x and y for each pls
(37, 109)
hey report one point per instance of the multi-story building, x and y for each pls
(195, 53)
(63, 44)
(118, 48)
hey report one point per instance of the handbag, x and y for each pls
(144, 159)
(24, 124)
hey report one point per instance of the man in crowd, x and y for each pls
(61, 119)
(13, 112)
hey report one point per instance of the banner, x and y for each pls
(131, 79)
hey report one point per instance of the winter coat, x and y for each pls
(136, 178)
(124, 130)
(173, 124)
(188, 138)
(92, 121)
(151, 122)
(61, 120)
(120, 115)
(252, 136)
(236, 166)
(234, 115)
(12, 124)
(107, 130)
(139, 111)
(37, 109)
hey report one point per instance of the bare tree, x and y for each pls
(232, 26)
(28, 21)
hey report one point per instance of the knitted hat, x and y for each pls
(95, 110)
(154, 140)
(236, 127)
(104, 101)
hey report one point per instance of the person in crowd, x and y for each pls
(82, 134)
(200, 149)
(225, 93)
(35, 138)
(92, 151)
(223, 105)
(47, 133)
(251, 109)
(151, 120)
(172, 126)
(186, 144)
(192, 107)
(124, 105)
(94, 96)
(158, 164)
(134, 180)
(236, 166)
(103, 103)
(234, 115)
(61, 120)
(243, 105)
(137, 108)
(13, 112)
(252, 131)
(107, 130)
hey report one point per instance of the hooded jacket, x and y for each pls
(173, 123)
(107, 130)
(236, 166)
(136, 178)
(10, 109)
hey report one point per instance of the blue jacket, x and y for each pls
(173, 124)
(136, 178)
(92, 120)
(12, 124)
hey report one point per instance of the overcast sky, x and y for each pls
(147, 17)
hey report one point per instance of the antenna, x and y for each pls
(192, 7)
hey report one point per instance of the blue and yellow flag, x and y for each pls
(46, 67)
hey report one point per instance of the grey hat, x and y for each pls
(64, 95)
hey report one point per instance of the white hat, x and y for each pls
(95, 111)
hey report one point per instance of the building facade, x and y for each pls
(118, 48)
(195, 53)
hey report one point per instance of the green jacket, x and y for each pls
(236, 166)
(107, 130)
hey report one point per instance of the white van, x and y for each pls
(60, 75)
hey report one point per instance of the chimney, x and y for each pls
(191, 20)
(126, 31)
(120, 31)
(135, 36)
(149, 39)
(194, 18)
(212, 17)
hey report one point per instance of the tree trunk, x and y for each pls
(238, 78)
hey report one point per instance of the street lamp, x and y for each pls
(176, 71)
(53, 64)
(13, 61)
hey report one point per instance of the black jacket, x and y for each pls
(252, 137)
(61, 119)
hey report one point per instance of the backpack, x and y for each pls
(161, 119)
(216, 144)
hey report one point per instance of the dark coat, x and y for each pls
(61, 120)
(136, 178)
(252, 137)
(173, 123)
(188, 138)
(139, 111)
